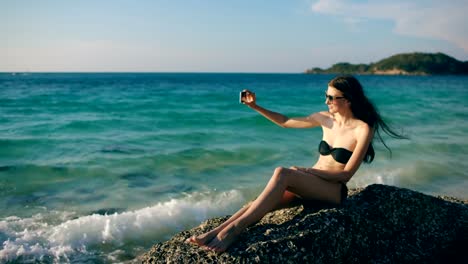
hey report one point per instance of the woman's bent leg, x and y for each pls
(203, 239)
(306, 185)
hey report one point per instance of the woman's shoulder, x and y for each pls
(325, 113)
(322, 114)
(321, 117)
(362, 128)
(361, 124)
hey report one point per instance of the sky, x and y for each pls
(277, 36)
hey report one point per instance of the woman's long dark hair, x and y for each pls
(364, 110)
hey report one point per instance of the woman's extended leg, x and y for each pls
(306, 185)
(203, 239)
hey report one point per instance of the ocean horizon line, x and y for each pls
(146, 72)
(23, 73)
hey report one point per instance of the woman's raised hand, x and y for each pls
(249, 98)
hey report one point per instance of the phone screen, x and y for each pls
(242, 95)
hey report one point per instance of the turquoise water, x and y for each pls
(98, 167)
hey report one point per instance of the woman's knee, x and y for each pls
(278, 171)
(280, 174)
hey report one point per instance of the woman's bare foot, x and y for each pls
(224, 239)
(203, 239)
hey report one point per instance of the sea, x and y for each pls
(98, 167)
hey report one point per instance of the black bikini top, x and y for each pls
(341, 155)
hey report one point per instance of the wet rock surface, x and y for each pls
(377, 224)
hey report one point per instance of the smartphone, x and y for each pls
(242, 95)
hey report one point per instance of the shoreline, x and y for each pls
(320, 233)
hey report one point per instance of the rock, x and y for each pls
(378, 224)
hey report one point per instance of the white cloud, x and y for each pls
(444, 20)
(336, 7)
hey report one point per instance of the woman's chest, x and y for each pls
(340, 138)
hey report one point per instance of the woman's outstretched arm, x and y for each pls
(281, 120)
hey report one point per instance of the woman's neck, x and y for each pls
(344, 118)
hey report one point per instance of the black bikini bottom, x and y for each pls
(344, 193)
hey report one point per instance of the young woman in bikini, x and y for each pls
(348, 128)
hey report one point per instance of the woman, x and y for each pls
(348, 129)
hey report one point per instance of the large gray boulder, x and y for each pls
(377, 224)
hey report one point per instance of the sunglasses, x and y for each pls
(331, 97)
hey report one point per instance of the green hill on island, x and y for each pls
(416, 63)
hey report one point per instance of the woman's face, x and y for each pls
(335, 100)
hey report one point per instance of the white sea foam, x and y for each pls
(35, 238)
(369, 176)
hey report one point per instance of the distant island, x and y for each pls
(415, 63)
